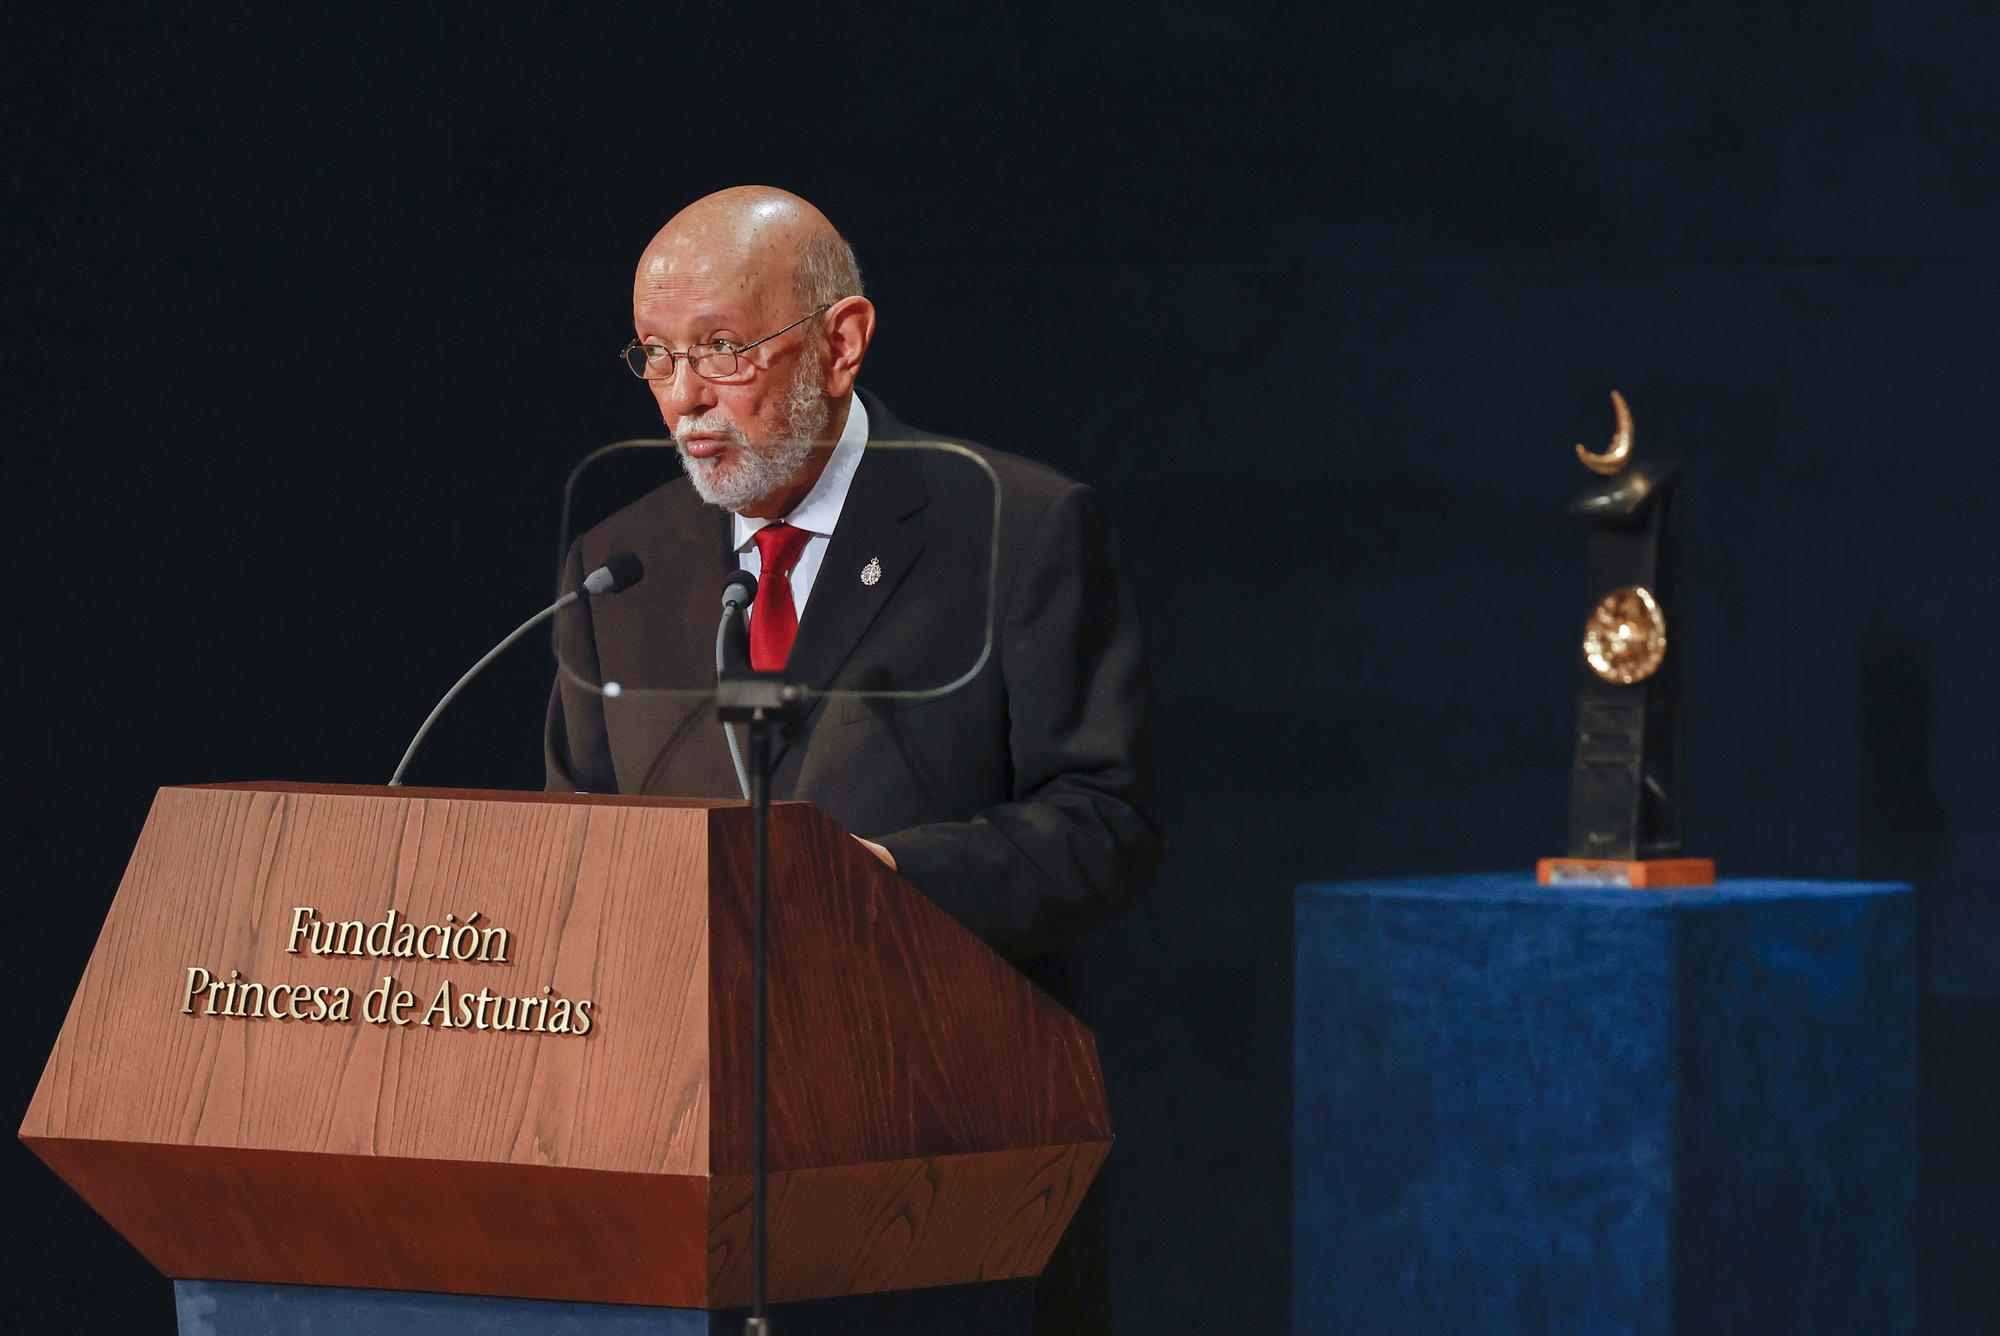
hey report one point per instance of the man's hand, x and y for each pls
(879, 852)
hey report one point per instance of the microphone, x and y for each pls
(732, 654)
(739, 590)
(732, 644)
(619, 572)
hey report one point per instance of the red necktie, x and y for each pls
(774, 621)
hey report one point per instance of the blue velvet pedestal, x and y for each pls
(1530, 1109)
(222, 1308)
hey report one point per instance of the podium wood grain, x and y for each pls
(935, 1118)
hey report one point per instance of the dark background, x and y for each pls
(313, 311)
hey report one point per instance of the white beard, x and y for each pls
(744, 474)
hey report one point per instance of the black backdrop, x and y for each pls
(313, 310)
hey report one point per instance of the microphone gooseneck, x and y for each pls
(619, 572)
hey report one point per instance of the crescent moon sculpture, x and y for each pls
(1621, 442)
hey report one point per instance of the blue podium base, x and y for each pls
(227, 1308)
(1526, 1109)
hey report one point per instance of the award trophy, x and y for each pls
(1625, 820)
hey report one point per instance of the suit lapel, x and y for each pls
(878, 529)
(875, 529)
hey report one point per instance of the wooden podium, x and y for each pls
(539, 1084)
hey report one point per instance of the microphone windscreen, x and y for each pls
(740, 588)
(626, 571)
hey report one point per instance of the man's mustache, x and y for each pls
(716, 426)
(687, 427)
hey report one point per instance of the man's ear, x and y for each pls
(850, 326)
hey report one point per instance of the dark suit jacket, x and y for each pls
(1024, 803)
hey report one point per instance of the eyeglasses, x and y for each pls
(721, 361)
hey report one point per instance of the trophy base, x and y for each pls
(1640, 874)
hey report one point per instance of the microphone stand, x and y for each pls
(423, 731)
(621, 570)
(767, 705)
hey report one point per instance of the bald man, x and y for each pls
(1024, 803)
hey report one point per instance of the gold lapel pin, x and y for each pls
(871, 574)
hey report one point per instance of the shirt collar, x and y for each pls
(820, 511)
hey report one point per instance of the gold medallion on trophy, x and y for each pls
(1625, 636)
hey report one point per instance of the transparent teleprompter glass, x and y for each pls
(898, 600)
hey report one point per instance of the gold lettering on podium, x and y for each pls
(387, 1002)
(393, 937)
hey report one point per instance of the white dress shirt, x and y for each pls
(817, 514)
